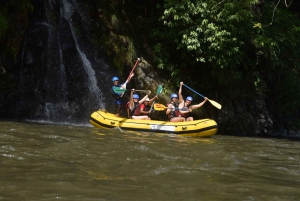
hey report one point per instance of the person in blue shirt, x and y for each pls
(120, 101)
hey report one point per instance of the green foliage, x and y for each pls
(277, 50)
(209, 32)
(214, 44)
(116, 37)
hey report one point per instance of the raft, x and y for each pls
(202, 127)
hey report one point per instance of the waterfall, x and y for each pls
(63, 77)
(67, 11)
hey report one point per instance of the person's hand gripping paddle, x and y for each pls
(158, 91)
(214, 103)
(131, 74)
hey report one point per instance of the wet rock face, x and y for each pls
(62, 76)
(248, 116)
(147, 78)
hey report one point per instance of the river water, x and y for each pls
(65, 162)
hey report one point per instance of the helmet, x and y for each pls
(174, 96)
(115, 79)
(135, 96)
(147, 99)
(189, 98)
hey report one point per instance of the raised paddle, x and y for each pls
(214, 103)
(135, 65)
(121, 90)
(158, 91)
(131, 73)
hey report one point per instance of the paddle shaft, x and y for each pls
(135, 65)
(152, 106)
(121, 90)
(158, 108)
(158, 91)
(194, 91)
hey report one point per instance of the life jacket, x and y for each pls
(116, 95)
(136, 111)
(185, 115)
(174, 113)
(146, 107)
(119, 98)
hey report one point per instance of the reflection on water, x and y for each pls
(50, 162)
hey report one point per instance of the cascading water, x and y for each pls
(63, 78)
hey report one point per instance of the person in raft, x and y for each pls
(186, 105)
(119, 97)
(173, 112)
(135, 106)
(146, 107)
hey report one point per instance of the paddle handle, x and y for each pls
(193, 91)
(152, 107)
(135, 65)
(141, 90)
(121, 90)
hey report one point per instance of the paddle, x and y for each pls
(158, 91)
(121, 90)
(161, 107)
(214, 103)
(130, 74)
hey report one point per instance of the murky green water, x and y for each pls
(61, 162)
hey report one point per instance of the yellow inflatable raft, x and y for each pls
(202, 127)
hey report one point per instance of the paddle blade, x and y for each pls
(119, 90)
(159, 107)
(214, 103)
(159, 90)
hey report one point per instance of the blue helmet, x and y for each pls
(174, 96)
(135, 96)
(189, 98)
(115, 79)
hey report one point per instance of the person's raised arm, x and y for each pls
(131, 103)
(127, 81)
(123, 86)
(152, 99)
(181, 101)
(200, 104)
(180, 92)
(143, 99)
